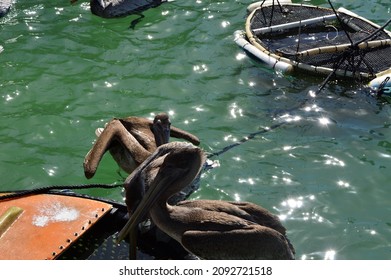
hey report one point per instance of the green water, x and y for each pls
(65, 72)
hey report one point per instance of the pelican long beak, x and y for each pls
(184, 161)
(161, 132)
(143, 208)
(162, 136)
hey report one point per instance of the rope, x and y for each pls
(246, 138)
(344, 56)
(340, 22)
(271, 16)
(47, 189)
(381, 28)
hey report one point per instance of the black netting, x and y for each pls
(288, 42)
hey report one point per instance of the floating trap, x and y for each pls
(291, 37)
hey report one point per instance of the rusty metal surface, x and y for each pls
(48, 225)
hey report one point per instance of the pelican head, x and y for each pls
(169, 169)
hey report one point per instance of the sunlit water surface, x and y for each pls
(65, 72)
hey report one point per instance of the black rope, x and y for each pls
(248, 137)
(354, 46)
(344, 56)
(347, 55)
(272, 12)
(47, 189)
(280, 124)
(381, 28)
(340, 22)
(362, 54)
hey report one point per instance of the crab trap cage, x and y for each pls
(320, 40)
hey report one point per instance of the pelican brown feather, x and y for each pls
(209, 229)
(131, 140)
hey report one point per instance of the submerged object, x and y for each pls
(290, 37)
(121, 8)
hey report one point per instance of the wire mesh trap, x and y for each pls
(320, 40)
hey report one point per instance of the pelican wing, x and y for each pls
(250, 242)
(244, 210)
(182, 134)
(141, 130)
(113, 131)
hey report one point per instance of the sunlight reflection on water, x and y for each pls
(327, 255)
(300, 208)
(317, 173)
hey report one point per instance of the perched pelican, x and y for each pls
(209, 229)
(131, 140)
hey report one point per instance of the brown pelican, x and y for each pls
(209, 229)
(131, 140)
